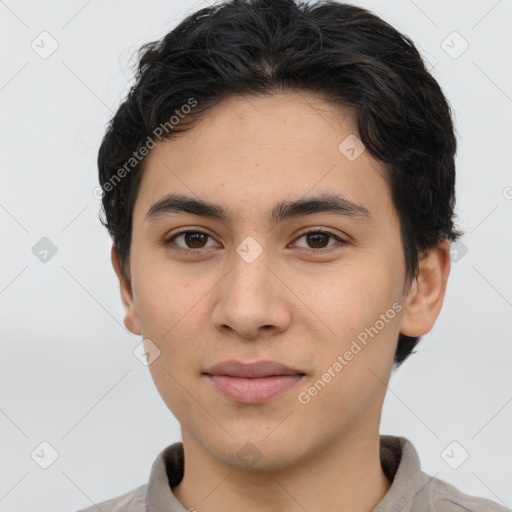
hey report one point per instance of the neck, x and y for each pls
(341, 478)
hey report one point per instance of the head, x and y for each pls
(244, 110)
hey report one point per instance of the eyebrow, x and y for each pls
(326, 202)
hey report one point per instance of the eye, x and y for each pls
(193, 240)
(317, 238)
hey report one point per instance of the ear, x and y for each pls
(131, 318)
(426, 295)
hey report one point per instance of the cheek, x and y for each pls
(352, 366)
(352, 296)
(163, 295)
(362, 308)
(175, 386)
(172, 314)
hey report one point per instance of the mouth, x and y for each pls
(253, 383)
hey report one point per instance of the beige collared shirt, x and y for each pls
(411, 490)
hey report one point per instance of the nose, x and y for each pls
(252, 300)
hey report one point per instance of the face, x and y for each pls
(304, 290)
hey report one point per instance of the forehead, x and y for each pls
(250, 151)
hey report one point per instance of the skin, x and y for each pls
(290, 305)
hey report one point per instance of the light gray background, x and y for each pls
(67, 372)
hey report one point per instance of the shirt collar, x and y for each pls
(399, 459)
(401, 464)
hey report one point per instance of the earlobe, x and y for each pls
(426, 295)
(131, 317)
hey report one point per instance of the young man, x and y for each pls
(279, 187)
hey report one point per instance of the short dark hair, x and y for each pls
(344, 53)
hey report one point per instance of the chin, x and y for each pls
(255, 453)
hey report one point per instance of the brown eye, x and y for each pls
(319, 239)
(193, 240)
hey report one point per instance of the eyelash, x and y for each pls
(171, 239)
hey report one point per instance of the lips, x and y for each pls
(234, 368)
(253, 383)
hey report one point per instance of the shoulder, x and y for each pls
(445, 497)
(413, 490)
(133, 501)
